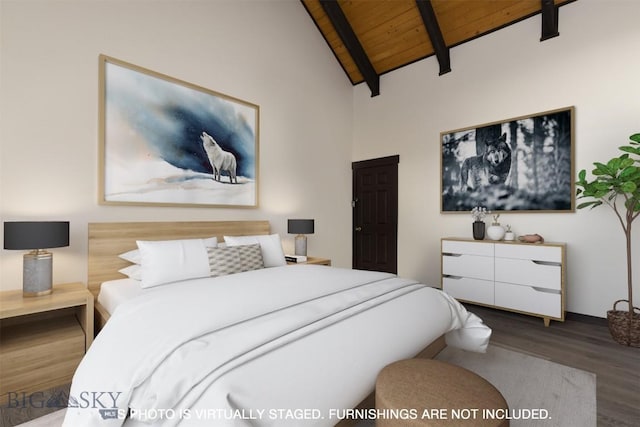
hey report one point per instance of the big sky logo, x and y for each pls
(106, 402)
(36, 400)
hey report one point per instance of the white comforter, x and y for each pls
(278, 346)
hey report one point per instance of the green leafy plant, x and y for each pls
(617, 185)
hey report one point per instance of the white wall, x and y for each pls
(593, 65)
(266, 52)
(49, 114)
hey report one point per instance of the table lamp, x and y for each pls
(300, 227)
(37, 264)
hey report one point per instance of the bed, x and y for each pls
(284, 345)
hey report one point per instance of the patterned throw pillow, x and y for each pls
(234, 259)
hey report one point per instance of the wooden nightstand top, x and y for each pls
(313, 260)
(13, 304)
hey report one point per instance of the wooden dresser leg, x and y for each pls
(547, 321)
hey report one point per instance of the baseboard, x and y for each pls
(585, 318)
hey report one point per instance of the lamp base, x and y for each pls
(36, 273)
(301, 245)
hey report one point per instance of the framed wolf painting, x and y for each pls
(522, 164)
(167, 142)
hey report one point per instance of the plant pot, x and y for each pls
(478, 230)
(621, 331)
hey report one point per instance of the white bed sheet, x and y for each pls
(115, 292)
(292, 337)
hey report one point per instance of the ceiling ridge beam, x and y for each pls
(549, 20)
(435, 34)
(347, 35)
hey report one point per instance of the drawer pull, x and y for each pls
(448, 276)
(545, 290)
(450, 254)
(550, 263)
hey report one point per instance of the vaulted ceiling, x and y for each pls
(373, 37)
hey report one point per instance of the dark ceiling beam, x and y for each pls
(348, 36)
(435, 34)
(549, 20)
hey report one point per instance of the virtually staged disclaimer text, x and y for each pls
(351, 414)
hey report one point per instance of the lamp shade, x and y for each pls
(36, 234)
(300, 226)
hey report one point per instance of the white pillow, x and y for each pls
(270, 245)
(133, 256)
(134, 271)
(172, 260)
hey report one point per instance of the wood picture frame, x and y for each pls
(166, 142)
(522, 164)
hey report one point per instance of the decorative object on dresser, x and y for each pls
(37, 271)
(531, 238)
(507, 275)
(617, 179)
(43, 339)
(509, 235)
(497, 164)
(300, 227)
(495, 230)
(478, 213)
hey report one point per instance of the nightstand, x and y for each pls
(43, 339)
(313, 260)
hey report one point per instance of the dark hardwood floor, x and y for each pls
(581, 342)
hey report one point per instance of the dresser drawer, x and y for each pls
(542, 274)
(463, 265)
(467, 248)
(529, 299)
(467, 289)
(533, 252)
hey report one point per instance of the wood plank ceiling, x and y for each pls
(373, 37)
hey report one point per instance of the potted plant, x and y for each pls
(617, 185)
(478, 213)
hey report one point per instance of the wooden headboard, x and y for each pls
(107, 240)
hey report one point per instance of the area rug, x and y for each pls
(560, 395)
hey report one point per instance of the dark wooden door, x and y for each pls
(375, 214)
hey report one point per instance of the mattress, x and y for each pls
(115, 292)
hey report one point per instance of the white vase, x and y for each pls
(495, 231)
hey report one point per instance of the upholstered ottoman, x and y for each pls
(425, 392)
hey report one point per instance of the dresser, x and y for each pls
(521, 277)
